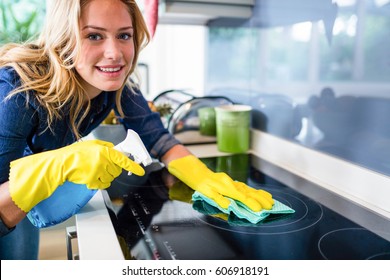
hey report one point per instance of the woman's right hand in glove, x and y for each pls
(94, 163)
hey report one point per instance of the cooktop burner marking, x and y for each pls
(345, 243)
(381, 256)
(307, 215)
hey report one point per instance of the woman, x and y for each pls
(57, 89)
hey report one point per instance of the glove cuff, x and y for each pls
(186, 165)
(27, 186)
(189, 169)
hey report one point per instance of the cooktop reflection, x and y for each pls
(155, 218)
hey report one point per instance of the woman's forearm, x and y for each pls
(175, 152)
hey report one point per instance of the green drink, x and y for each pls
(233, 128)
(207, 121)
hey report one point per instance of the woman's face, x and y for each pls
(107, 46)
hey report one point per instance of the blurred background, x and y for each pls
(316, 72)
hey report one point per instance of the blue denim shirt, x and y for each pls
(24, 129)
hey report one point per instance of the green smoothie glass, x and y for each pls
(233, 128)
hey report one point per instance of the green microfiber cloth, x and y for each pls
(239, 210)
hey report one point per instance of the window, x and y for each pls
(20, 19)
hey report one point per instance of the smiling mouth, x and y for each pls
(109, 69)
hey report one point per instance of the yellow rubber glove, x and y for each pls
(218, 186)
(180, 192)
(94, 163)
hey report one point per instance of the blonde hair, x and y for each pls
(46, 65)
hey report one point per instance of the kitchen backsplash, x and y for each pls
(315, 72)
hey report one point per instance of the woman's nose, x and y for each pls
(112, 50)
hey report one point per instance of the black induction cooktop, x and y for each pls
(154, 218)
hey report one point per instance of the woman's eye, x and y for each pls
(125, 36)
(94, 37)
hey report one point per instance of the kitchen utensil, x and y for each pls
(184, 122)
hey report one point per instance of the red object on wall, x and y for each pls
(151, 15)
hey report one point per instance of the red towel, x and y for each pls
(151, 15)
